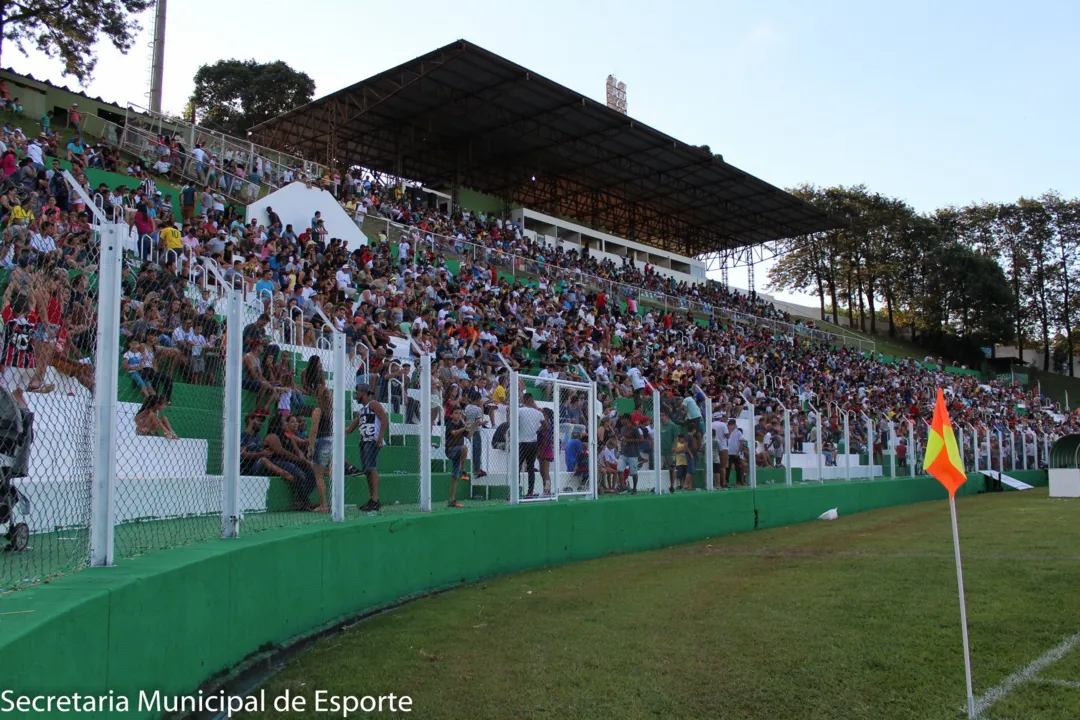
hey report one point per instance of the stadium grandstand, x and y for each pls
(421, 259)
(464, 242)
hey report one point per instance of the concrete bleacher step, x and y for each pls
(63, 422)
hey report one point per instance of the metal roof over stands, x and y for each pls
(461, 116)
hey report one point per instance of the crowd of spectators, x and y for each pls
(478, 321)
(475, 319)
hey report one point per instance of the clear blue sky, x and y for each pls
(937, 103)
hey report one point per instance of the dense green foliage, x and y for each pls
(235, 95)
(955, 280)
(69, 29)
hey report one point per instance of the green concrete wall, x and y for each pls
(172, 620)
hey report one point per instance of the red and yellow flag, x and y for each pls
(942, 454)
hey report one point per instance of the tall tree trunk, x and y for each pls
(835, 303)
(820, 294)
(859, 288)
(817, 275)
(889, 310)
(1044, 316)
(1016, 293)
(850, 296)
(1066, 316)
(870, 306)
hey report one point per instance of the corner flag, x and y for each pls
(942, 454)
(943, 462)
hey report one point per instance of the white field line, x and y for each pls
(1026, 674)
(1060, 683)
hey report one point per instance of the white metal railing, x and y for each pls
(143, 144)
(227, 146)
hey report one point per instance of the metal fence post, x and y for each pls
(555, 430)
(912, 455)
(870, 443)
(658, 459)
(1023, 446)
(892, 447)
(752, 447)
(425, 432)
(515, 460)
(710, 437)
(818, 447)
(975, 447)
(1001, 462)
(1046, 449)
(337, 462)
(787, 447)
(847, 447)
(230, 476)
(960, 444)
(102, 495)
(594, 464)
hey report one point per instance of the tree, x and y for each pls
(1066, 218)
(235, 95)
(69, 29)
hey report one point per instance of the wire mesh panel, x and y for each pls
(631, 461)
(383, 444)
(47, 353)
(169, 411)
(770, 440)
(536, 439)
(287, 416)
(488, 414)
(573, 443)
(556, 444)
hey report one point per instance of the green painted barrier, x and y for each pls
(173, 620)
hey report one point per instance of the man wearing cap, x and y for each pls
(372, 423)
(344, 281)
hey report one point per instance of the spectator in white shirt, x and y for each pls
(344, 281)
(530, 423)
(734, 447)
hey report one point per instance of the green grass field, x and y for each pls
(855, 618)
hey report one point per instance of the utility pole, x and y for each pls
(157, 69)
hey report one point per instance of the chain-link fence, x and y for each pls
(287, 425)
(488, 416)
(556, 421)
(47, 352)
(169, 411)
(535, 439)
(572, 406)
(386, 427)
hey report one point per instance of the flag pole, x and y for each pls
(963, 607)
(944, 463)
